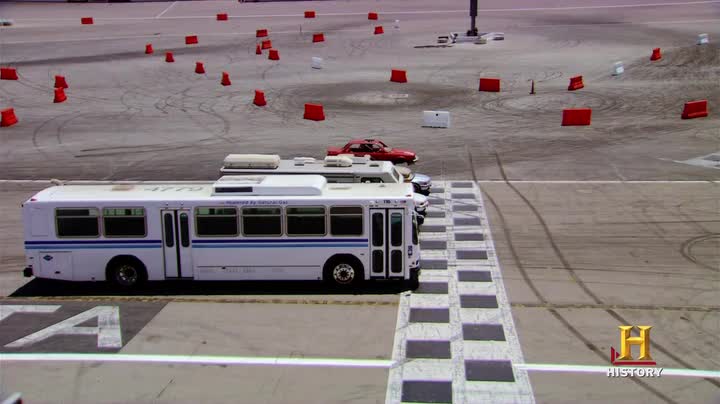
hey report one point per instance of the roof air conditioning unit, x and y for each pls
(252, 161)
(357, 159)
(301, 161)
(338, 161)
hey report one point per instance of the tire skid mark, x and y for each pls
(531, 284)
(577, 279)
(686, 250)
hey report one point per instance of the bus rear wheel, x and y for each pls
(343, 272)
(126, 273)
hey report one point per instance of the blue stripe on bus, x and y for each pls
(284, 245)
(289, 240)
(94, 242)
(84, 247)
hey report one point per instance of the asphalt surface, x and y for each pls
(577, 259)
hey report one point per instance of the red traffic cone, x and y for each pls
(222, 17)
(398, 76)
(258, 50)
(86, 21)
(60, 95)
(314, 112)
(169, 57)
(267, 44)
(225, 79)
(199, 68)
(656, 55)
(319, 37)
(60, 82)
(372, 16)
(149, 49)
(259, 98)
(8, 73)
(7, 117)
(379, 30)
(576, 83)
(274, 54)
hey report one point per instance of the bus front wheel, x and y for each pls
(126, 272)
(343, 271)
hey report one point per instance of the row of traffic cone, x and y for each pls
(8, 116)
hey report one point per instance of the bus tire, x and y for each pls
(344, 271)
(126, 272)
(416, 188)
(414, 281)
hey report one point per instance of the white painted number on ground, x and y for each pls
(107, 331)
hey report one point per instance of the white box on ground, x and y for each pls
(317, 63)
(436, 119)
(703, 39)
(618, 68)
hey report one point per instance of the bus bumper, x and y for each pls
(415, 271)
(28, 272)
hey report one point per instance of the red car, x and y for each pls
(376, 149)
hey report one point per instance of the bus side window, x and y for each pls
(396, 228)
(265, 221)
(370, 179)
(216, 222)
(77, 222)
(184, 230)
(169, 233)
(124, 222)
(346, 220)
(305, 220)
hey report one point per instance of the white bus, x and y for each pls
(344, 168)
(236, 228)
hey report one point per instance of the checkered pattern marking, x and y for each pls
(455, 340)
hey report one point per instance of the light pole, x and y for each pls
(473, 13)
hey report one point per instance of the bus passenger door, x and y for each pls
(176, 243)
(387, 244)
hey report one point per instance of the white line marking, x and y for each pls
(166, 10)
(196, 360)
(620, 23)
(597, 182)
(283, 361)
(480, 181)
(395, 375)
(6, 310)
(486, 10)
(542, 367)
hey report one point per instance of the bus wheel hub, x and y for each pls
(127, 275)
(343, 273)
